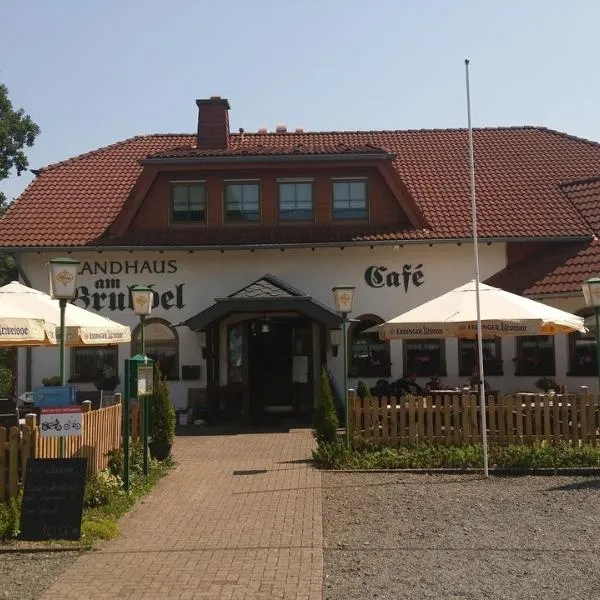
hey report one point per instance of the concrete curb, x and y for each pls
(499, 472)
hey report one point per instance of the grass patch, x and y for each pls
(105, 501)
(335, 455)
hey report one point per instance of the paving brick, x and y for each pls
(216, 527)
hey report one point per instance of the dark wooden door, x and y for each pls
(270, 366)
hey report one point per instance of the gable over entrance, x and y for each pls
(267, 294)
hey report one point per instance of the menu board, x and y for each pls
(52, 504)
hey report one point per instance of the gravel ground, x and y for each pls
(25, 575)
(391, 536)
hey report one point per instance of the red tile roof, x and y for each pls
(560, 271)
(585, 196)
(519, 171)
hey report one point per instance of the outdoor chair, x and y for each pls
(94, 396)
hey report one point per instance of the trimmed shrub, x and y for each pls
(162, 413)
(326, 421)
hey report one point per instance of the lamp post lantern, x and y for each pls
(142, 297)
(591, 294)
(343, 296)
(63, 286)
(142, 306)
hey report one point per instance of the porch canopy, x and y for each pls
(265, 295)
(30, 317)
(454, 314)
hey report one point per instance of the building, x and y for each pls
(242, 236)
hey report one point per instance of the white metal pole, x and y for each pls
(477, 298)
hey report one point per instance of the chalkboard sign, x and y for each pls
(53, 499)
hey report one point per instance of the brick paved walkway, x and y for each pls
(239, 518)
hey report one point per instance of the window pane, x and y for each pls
(88, 363)
(535, 355)
(304, 192)
(369, 356)
(189, 202)
(235, 354)
(583, 355)
(350, 200)
(162, 346)
(492, 356)
(295, 201)
(424, 357)
(242, 202)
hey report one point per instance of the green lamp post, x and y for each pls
(343, 296)
(591, 294)
(63, 286)
(142, 306)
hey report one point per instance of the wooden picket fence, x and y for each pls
(456, 419)
(101, 433)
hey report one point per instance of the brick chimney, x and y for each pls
(213, 123)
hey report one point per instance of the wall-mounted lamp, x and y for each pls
(335, 339)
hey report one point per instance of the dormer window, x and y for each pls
(295, 200)
(242, 202)
(350, 200)
(188, 204)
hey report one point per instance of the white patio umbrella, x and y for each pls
(453, 314)
(31, 317)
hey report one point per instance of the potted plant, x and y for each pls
(546, 384)
(51, 381)
(108, 379)
(162, 418)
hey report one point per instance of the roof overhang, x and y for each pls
(299, 304)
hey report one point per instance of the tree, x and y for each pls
(17, 131)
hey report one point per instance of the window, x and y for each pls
(242, 202)
(188, 202)
(369, 356)
(492, 356)
(295, 201)
(535, 355)
(162, 345)
(87, 362)
(582, 351)
(235, 353)
(424, 357)
(350, 200)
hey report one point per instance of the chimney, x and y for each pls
(213, 123)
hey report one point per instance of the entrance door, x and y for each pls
(270, 364)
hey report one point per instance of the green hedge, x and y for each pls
(335, 455)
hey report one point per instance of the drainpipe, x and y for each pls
(28, 359)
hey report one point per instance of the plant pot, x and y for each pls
(159, 450)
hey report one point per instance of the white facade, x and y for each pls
(189, 282)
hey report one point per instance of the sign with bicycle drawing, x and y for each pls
(60, 422)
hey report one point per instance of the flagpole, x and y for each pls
(481, 377)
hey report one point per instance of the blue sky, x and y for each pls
(92, 73)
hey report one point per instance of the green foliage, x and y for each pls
(435, 456)
(325, 421)
(17, 131)
(98, 529)
(362, 390)
(5, 381)
(136, 460)
(10, 517)
(162, 413)
(101, 488)
(545, 383)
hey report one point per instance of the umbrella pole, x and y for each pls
(62, 302)
(477, 297)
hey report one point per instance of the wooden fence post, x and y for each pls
(86, 406)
